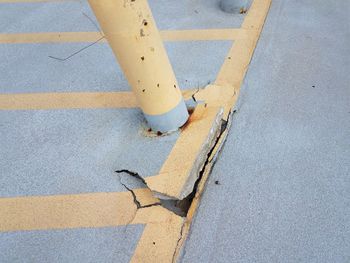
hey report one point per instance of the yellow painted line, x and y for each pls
(93, 210)
(33, 1)
(159, 241)
(66, 211)
(71, 100)
(50, 37)
(185, 158)
(72, 37)
(162, 232)
(226, 88)
(233, 70)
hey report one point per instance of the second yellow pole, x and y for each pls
(134, 38)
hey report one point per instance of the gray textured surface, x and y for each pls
(284, 173)
(29, 69)
(109, 244)
(75, 151)
(69, 16)
(192, 14)
(52, 16)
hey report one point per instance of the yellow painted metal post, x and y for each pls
(134, 38)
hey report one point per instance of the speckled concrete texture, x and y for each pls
(29, 68)
(192, 14)
(283, 190)
(108, 244)
(75, 151)
(54, 16)
(71, 16)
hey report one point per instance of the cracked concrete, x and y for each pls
(93, 141)
(207, 158)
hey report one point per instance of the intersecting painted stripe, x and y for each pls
(71, 100)
(76, 210)
(229, 83)
(67, 100)
(34, 1)
(49, 37)
(71, 37)
(159, 238)
(66, 211)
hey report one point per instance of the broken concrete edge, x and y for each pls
(218, 127)
(214, 142)
(202, 180)
(184, 187)
(194, 197)
(199, 162)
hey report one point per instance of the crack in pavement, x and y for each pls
(133, 174)
(136, 201)
(186, 203)
(178, 242)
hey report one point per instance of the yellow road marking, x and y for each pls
(159, 238)
(159, 241)
(71, 100)
(233, 70)
(34, 1)
(229, 82)
(66, 211)
(50, 37)
(71, 37)
(162, 226)
(176, 171)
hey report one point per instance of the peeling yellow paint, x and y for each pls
(49, 37)
(66, 211)
(159, 238)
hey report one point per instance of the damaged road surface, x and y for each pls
(66, 137)
(205, 160)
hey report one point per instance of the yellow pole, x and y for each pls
(131, 31)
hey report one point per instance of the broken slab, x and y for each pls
(180, 171)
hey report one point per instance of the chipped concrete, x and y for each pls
(164, 231)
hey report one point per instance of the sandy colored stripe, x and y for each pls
(71, 37)
(54, 37)
(254, 20)
(66, 211)
(73, 211)
(159, 241)
(73, 100)
(33, 1)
